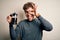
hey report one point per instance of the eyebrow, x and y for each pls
(27, 11)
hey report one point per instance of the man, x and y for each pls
(30, 28)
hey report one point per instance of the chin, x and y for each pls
(30, 19)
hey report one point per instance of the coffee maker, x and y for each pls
(14, 18)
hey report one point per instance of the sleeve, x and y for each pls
(45, 24)
(15, 33)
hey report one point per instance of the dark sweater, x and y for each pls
(30, 30)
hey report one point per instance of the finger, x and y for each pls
(8, 18)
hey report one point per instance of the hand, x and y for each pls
(9, 18)
(37, 14)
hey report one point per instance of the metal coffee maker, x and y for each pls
(14, 18)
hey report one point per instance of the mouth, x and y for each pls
(30, 17)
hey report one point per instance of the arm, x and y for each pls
(45, 24)
(14, 33)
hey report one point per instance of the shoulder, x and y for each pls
(22, 22)
(37, 21)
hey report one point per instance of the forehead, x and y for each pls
(30, 9)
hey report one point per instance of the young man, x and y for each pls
(30, 28)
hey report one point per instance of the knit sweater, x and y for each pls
(30, 30)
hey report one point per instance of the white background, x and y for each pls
(49, 9)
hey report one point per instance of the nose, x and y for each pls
(28, 15)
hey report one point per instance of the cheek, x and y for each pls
(26, 15)
(31, 14)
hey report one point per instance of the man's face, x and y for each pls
(30, 13)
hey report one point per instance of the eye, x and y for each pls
(26, 11)
(32, 11)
